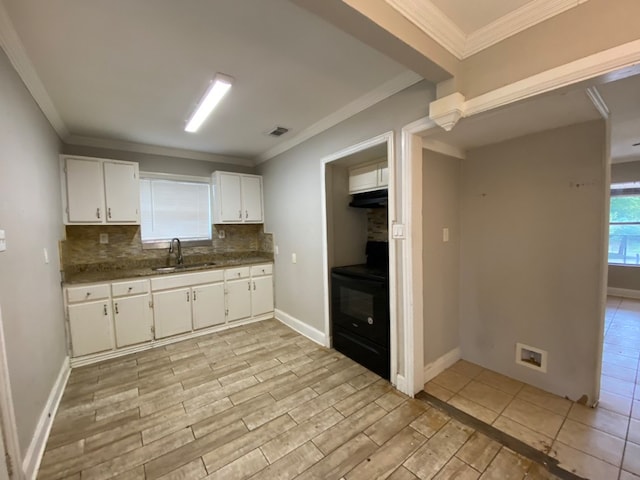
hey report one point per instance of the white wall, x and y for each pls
(441, 261)
(31, 215)
(292, 189)
(531, 255)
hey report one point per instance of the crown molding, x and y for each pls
(432, 21)
(13, 47)
(384, 91)
(515, 22)
(126, 146)
(598, 101)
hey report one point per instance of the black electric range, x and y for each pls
(360, 309)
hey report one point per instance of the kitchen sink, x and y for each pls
(183, 267)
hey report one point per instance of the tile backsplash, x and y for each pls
(377, 224)
(82, 245)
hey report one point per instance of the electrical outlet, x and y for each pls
(46, 255)
(104, 238)
(445, 234)
(221, 234)
(294, 258)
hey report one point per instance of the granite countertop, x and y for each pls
(119, 271)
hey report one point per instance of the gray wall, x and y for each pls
(531, 255)
(160, 163)
(627, 276)
(293, 209)
(441, 261)
(31, 215)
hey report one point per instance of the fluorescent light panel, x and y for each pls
(220, 85)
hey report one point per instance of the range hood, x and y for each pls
(375, 199)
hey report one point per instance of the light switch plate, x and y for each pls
(398, 230)
(294, 258)
(445, 234)
(3, 241)
(104, 238)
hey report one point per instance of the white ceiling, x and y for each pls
(131, 71)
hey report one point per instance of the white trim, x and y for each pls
(33, 456)
(439, 365)
(598, 102)
(393, 317)
(432, 21)
(401, 383)
(99, 357)
(411, 194)
(302, 328)
(7, 413)
(586, 68)
(384, 91)
(13, 47)
(514, 22)
(623, 292)
(443, 148)
(122, 145)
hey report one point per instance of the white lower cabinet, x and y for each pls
(108, 317)
(208, 305)
(90, 327)
(172, 312)
(238, 299)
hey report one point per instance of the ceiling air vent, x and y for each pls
(278, 131)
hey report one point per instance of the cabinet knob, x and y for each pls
(254, 285)
(246, 214)
(116, 305)
(194, 295)
(109, 212)
(187, 296)
(240, 214)
(105, 309)
(249, 286)
(130, 288)
(98, 212)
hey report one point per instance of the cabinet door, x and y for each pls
(122, 192)
(172, 312)
(230, 198)
(262, 295)
(252, 199)
(90, 327)
(238, 299)
(208, 305)
(85, 191)
(133, 320)
(363, 178)
(383, 175)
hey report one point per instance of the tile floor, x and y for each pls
(601, 443)
(261, 401)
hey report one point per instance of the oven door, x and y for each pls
(361, 306)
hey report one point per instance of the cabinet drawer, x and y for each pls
(259, 270)
(135, 287)
(85, 294)
(234, 273)
(186, 280)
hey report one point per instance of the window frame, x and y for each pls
(622, 189)
(163, 244)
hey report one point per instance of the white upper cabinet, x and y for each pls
(122, 192)
(237, 198)
(97, 191)
(365, 178)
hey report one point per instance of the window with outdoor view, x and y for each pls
(624, 224)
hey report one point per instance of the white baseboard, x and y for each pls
(302, 328)
(623, 292)
(439, 365)
(33, 457)
(401, 385)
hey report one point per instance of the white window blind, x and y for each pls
(174, 209)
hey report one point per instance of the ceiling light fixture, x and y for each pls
(219, 86)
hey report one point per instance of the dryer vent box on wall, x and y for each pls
(531, 357)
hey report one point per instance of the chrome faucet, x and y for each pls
(178, 252)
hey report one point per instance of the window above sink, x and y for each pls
(174, 206)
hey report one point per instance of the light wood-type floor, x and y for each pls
(258, 401)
